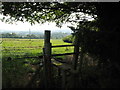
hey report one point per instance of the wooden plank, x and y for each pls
(62, 54)
(61, 46)
(59, 60)
(63, 66)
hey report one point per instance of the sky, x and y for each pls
(37, 27)
(20, 26)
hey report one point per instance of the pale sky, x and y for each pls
(37, 27)
(20, 26)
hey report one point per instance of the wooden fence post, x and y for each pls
(76, 51)
(47, 60)
(75, 60)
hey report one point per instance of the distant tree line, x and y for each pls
(10, 35)
(14, 35)
(32, 36)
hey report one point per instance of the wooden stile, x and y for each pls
(62, 67)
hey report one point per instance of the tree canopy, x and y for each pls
(47, 11)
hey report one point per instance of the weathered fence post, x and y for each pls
(75, 60)
(47, 60)
(76, 51)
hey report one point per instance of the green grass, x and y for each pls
(22, 47)
(15, 72)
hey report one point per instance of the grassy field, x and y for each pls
(16, 72)
(33, 47)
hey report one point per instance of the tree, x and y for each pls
(68, 39)
(46, 11)
(10, 35)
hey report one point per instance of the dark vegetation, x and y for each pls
(99, 39)
(68, 39)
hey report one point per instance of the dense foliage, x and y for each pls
(68, 39)
(46, 11)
